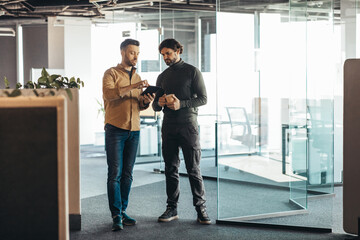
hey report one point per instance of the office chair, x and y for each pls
(240, 126)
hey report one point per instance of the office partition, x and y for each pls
(33, 172)
(351, 194)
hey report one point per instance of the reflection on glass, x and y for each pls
(250, 127)
(265, 157)
(270, 90)
(195, 30)
(321, 77)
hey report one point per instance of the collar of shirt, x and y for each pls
(121, 67)
(178, 64)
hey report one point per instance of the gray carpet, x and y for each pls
(147, 202)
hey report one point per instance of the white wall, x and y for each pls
(105, 53)
(55, 43)
(77, 58)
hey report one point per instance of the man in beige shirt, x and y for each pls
(123, 101)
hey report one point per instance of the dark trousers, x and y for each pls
(185, 136)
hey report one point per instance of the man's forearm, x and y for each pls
(195, 102)
(125, 90)
(116, 93)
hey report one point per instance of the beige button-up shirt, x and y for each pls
(122, 111)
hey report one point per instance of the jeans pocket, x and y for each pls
(109, 127)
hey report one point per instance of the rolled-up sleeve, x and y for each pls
(110, 88)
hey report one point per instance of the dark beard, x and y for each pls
(129, 63)
(171, 62)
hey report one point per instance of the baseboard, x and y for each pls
(75, 222)
(276, 226)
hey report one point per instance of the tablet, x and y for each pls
(151, 90)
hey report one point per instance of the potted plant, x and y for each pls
(100, 134)
(53, 85)
(46, 81)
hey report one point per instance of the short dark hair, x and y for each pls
(171, 43)
(128, 42)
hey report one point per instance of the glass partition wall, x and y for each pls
(267, 129)
(195, 30)
(150, 25)
(275, 122)
(321, 78)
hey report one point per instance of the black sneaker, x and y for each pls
(169, 215)
(128, 221)
(203, 217)
(117, 224)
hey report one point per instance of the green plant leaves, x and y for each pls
(69, 93)
(14, 93)
(45, 81)
(6, 83)
(101, 107)
(44, 73)
(29, 85)
(53, 77)
(42, 80)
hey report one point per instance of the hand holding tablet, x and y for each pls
(151, 90)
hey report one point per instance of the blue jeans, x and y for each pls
(121, 146)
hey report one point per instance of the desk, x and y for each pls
(284, 142)
(150, 137)
(284, 148)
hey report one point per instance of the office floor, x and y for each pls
(93, 184)
(148, 202)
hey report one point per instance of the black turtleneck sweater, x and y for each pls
(187, 83)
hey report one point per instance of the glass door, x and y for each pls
(321, 77)
(239, 116)
(254, 181)
(297, 111)
(263, 78)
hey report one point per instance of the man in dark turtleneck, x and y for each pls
(184, 91)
